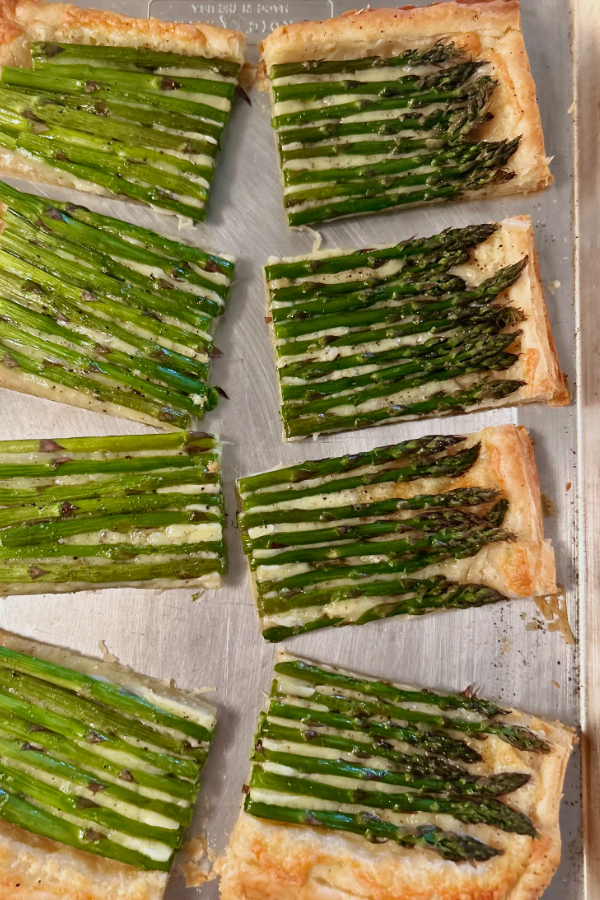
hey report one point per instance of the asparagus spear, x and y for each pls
(436, 56)
(456, 121)
(405, 85)
(434, 191)
(406, 450)
(427, 97)
(431, 742)
(452, 466)
(26, 815)
(54, 53)
(449, 846)
(516, 735)
(489, 812)
(446, 241)
(484, 391)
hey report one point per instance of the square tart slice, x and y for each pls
(140, 511)
(99, 774)
(106, 315)
(431, 326)
(390, 108)
(366, 788)
(114, 105)
(439, 522)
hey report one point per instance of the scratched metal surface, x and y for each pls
(215, 641)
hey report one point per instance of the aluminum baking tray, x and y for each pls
(510, 651)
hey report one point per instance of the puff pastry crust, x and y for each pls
(522, 568)
(270, 861)
(489, 29)
(36, 868)
(538, 364)
(24, 21)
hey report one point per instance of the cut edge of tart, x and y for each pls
(136, 511)
(308, 832)
(82, 322)
(462, 517)
(534, 373)
(47, 25)
(30, 859)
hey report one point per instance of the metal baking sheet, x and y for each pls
(506, 650)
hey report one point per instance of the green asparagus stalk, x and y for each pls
(435, 191)
(128, 240)
(419, 593)
(409, 763)
(488, 812)
(25, 815)
(405, 85)
(445, 242)
(451, 466)
(335, 112)
(448, 500)
(436, 56)
(484, 391)
(429, 741)
(426, 522)
(101, 691)
(98, 770)
(121, 86)
(409, 546)
(449, 846)
(298, 668)
(517, 736)
(52, 53)
(487, 352)
(406, 450)
(458, 120)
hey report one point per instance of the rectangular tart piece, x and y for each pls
(440, 522)
(84, 513)
(115, 105)
(362, 787)
(99, 775)
(430, 326)
(106, 315)
(390, 108)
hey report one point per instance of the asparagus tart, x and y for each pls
(426, 327)
(106, 315)
(85, 513)
(362, 787)
(391, 108)
(439, 522)
(115, 105)
(99, 774)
